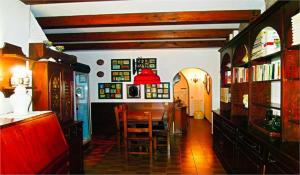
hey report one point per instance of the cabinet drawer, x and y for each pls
(279, 164)
(251, 145)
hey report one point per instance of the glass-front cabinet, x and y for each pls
(82, 110)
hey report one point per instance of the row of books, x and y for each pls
(227, 78)
(296, 29)
(265, 72)
(240, 75)
(267, 42)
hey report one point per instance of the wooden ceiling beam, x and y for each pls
(144, 45)
(139, 19)
(140, 35)
(32, 2)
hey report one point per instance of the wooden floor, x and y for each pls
(190, 154)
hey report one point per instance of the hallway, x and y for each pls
(190, 154)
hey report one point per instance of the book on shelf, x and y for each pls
(240, 74)
(265, 72)
(227, 79)
(266, 43)
(225, 95)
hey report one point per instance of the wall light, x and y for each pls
(195, 79)
(21, 76)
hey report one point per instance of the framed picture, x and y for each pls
(157, 91)
(110, 91)
(79, 91)
(120, 76)
(141, 63)
(120, 64)
(133, 91)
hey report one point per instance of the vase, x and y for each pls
(20, 100)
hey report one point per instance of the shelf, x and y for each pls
(226, 85)
(272, 105)
(267, 57)
(246, 65)
(225, 102)
(243, 83)
(12, 88)
(266, 81)
(240, 105)
(271, 134)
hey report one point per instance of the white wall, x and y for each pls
(17, 25)
(169, 62)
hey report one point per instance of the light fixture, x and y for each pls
(146, 77)
(21, 76)
(195, 79)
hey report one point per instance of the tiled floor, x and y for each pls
(190, 154)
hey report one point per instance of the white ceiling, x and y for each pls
(142, 6)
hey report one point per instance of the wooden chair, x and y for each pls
(162, 131)
(118, 113)
(134, 133)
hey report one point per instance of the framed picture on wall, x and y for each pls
(141, 63)
(157, 91)
(120, 64)
(120, 76)
(110, 91)
(133, 91)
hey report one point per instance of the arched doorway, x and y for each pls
(193, 87)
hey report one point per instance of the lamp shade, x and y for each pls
(146, 77)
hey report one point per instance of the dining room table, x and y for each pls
(139, 116)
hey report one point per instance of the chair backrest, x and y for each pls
(118, 110)
(170, 115)
(136, 128)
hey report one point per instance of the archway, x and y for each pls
(192, 86)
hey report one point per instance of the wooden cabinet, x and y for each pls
(73, 134)
(265, 73)
(180, 120)
(244, 150)
(53, 89)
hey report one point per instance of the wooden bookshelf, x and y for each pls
(226, 67)
(281, 93)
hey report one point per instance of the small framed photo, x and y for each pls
(133, 91)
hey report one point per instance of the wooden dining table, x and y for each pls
(139, 116)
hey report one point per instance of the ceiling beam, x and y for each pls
(32, 2)
(144, 45)
(139, 19)
(140, 35)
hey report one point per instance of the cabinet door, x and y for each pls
(246, 164)
(249, 155)
(67, 97)
(55, 82)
